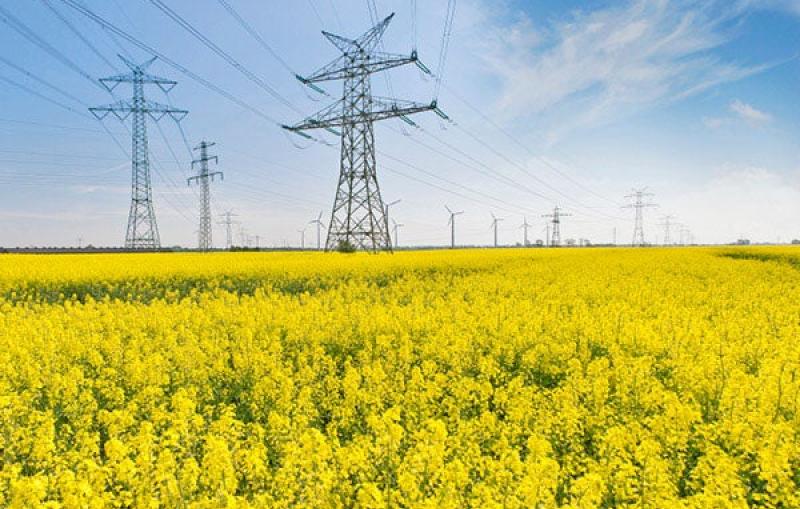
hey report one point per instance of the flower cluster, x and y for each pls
(662, 378)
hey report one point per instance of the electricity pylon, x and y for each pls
(639, 204)
(452, 224)
(555, 219)
(358, 218)
(318, 222)
(142, 232)
(495, 221)
(525, 227)
(228, 222)
(396, 227)
(667, 224)
(204, 178)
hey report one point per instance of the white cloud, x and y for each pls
(751, 202)
(750, 114)
(601, 66)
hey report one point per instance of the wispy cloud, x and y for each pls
(750, 114)
(604, 65)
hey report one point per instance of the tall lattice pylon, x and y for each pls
(204, 179)
(639, 203)
(555, 219)
(358, 218)
(142, 230)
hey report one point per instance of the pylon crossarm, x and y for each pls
(342, 68)
(387, 109)
(112, 81)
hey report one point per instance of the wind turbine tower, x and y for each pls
(452, 224)
(495, 222)
(318, 223)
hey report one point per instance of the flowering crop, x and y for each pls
(479, 378)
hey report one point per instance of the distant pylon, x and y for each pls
(142, 232)
(525, 227)
(555, 219)
(228, 223)
(638, 196)
(358, 218)
(452, 224)
(667, 224)
(204, 241)
(495, 222)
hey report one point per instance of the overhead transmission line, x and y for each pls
(31, 36)
(43, 97)
(180, 68)
(446, 33)
(41, 81)
(77, 33)
(255, 35)
(522, 145)
(224, 55)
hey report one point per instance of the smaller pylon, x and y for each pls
(204, 178)
(666, 222)
(555, 219)
(638, 196)
(228, 222)
(525, 227)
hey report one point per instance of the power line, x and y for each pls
(144, 47)
(222, 54)
(31, 36)
(446, 33)
(253, 33)
(78, 33)
(42, 96)
(41, 81)
(517, 142)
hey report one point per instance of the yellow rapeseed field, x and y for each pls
(529, 378)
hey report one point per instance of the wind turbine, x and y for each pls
(302, 238)
(318, 222)
(495, 221)
(386, 212)
(452, 224)
(396, 227)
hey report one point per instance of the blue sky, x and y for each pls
(568, 103)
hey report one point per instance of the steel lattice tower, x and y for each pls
(204, 179)
(555, 239)
(142, 230)
(638, 196)
(667, 224)
(228, 222)
(358, 218)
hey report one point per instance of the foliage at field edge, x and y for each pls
(504, 378)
